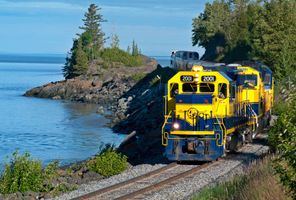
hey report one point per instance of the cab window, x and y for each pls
(247, 81)
(206, 87)
(174, 89)
(232, 92)
(222, 92)
(267, 80)
(189, 87)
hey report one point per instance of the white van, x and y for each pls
(180, 59)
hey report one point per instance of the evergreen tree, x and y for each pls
(115, 41)
(93, 36)
(275, 38)
(234, 30)
(135, 49)
(128, 50)
(88, 45)
(81, 60)
(68, 68)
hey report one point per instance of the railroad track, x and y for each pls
(138, 187)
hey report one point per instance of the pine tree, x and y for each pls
(87, 46)
(128, 50)
(115, 41)
(68, 68)
(93, 36)
(81, 60)
(135, 49)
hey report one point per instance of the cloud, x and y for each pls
(4, 4)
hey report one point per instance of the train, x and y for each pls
(214, 109)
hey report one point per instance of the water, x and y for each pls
(164, 61)
(47, 129)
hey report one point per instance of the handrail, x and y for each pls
(223, 129)
(254, 114)
(164, 138)
(165, 104)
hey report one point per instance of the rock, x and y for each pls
(130, 98)
(121, 101)
(14, 196)
(100, 110)
(56, 97)
(91, 176)
(30, 195)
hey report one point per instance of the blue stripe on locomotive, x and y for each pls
(194, 99)
(202, 123)
(206, 148)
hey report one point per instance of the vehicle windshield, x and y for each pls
(203, 87)
(247, 81)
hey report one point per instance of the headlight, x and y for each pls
(176, 125)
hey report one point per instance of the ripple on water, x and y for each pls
(49, 130)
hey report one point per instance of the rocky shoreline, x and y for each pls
(131, 97)
(134, 95)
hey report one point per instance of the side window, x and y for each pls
(267, 80)
(174, 89)
(195, 56)
(190, 55)
(232, 92)
(184, 56)
(222, 92)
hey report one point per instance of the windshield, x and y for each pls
(203, 87)
(247, 81)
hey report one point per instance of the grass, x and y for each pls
(111, 56)
(259, 182)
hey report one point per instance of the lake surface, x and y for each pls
(47, 129)
(164, 61)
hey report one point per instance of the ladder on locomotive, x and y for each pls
(223, 131)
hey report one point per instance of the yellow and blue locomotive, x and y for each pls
(212, 110)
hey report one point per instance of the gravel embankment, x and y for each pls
(95, 185)
(184, 188)
(187, 187)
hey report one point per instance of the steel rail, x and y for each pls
(165, 182)
(125, 183)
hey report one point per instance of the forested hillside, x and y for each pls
(234, 30)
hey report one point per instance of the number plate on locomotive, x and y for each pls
(187, 78)
(208, 78)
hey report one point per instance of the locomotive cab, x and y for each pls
(213, 109)
(196, 103)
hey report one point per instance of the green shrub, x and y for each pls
(21, 175)
(109, 162)
(282, 136)
(116, 55)
(24, 174)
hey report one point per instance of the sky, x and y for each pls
(49, 26)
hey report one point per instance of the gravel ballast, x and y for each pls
(184, 188)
